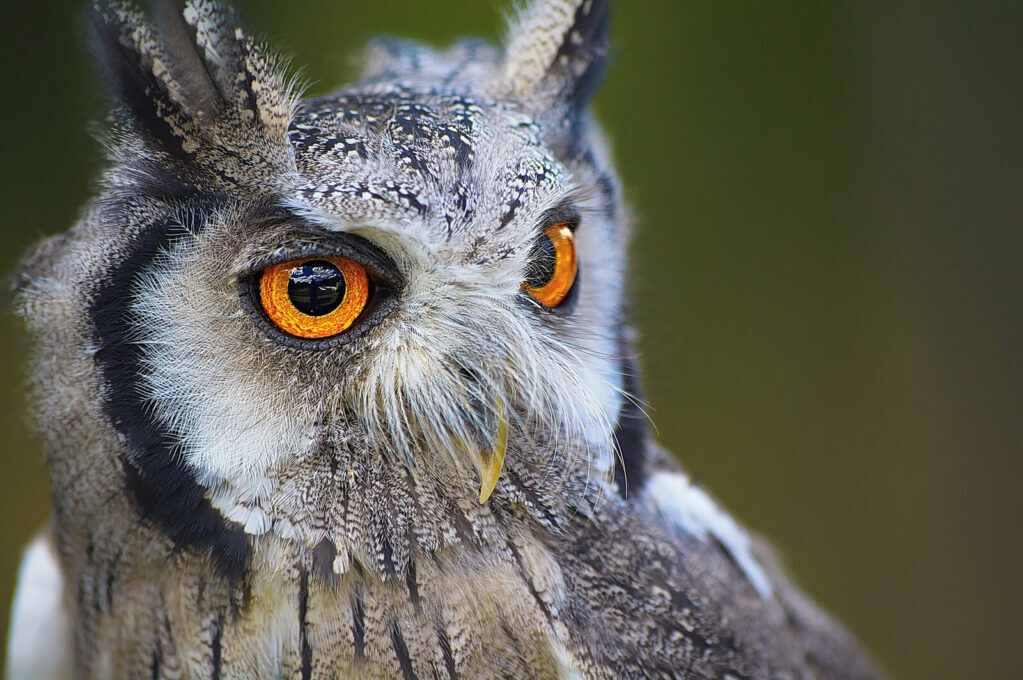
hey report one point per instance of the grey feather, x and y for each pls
(234, 500)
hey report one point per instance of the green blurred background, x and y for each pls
(827, 273)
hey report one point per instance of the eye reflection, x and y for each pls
(316, 287)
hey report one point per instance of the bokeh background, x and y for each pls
(827, 273)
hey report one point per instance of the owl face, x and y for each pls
(419, 273)
(447, 348)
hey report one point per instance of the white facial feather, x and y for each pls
(232, 426)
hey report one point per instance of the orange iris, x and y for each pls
(566, 265)
(314, 297)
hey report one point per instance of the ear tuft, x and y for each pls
(556, 51)
(194, 87)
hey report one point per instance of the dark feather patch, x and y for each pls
(358, 628)
(193, 89)
(143, 101)
(557, 54)
(164, 490)
(630, 471)
(401, 651)
(306, 650)
(216, 646)
(583, 54)
(445, 649)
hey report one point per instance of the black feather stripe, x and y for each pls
(164, 489)
(584, 50)
(524, 574)
(215, 646)
(412, 583)
(630, 471)
(358, 629)
(157, 663)
(401, 651)
(128, 70)
(303, 611)
(445, 650)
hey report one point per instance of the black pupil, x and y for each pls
(543, 263)
(316, 287)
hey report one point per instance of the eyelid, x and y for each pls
(566, 214)
(351, 247)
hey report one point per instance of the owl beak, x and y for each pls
(491, 462)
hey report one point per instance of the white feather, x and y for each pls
(568, 667)
(39, 637)
(689, 507)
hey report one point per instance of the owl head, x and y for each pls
(333, 319)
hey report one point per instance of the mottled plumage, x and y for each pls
(234, 501)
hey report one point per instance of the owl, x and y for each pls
(342, 387)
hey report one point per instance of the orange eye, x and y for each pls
(554, 266)
(314, 298)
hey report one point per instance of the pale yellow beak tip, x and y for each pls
(491, 466)
(489, 482)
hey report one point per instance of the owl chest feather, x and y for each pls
(613, 595)
(459, 613)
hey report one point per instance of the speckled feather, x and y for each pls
(232, 502)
